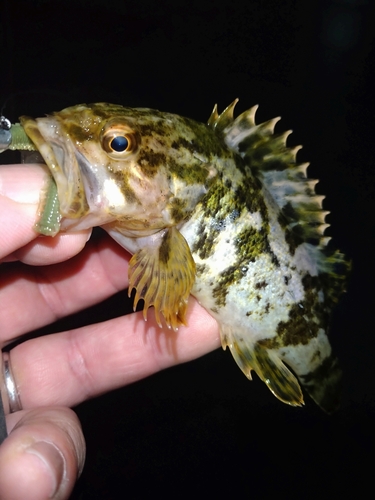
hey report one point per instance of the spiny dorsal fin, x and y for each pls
(276, 166)
(219, 122)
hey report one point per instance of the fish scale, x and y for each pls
(221, 211)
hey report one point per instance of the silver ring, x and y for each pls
(13, 395)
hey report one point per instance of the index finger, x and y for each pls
(20, 190)
(69, 367)
(20, 186)
(32, 297)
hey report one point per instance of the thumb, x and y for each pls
(42, 456)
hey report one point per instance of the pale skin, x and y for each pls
(45, 451)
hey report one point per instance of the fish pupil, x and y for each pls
(119, 143)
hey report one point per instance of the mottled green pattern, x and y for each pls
(231, 196)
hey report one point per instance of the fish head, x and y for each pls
(136, 168)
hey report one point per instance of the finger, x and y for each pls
(23, 182)
(32, 297)
(70, 367)
(16, 225)
(45, 250)
(42, 456)
(20, 188)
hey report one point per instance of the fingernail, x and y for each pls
(88, 236)
(53, 461)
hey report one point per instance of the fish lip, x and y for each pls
(43, 133)
(78, 188)
(58, 151)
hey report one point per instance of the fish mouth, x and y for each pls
(58, 152)
(79, 188)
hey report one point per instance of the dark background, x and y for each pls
(203, 426)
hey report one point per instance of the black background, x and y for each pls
(202, 426)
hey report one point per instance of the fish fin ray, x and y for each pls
(276, 375)
(163, 275)
(324, 384)
(275, 164)
(268, 366)
(219, 122)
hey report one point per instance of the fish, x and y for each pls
(222, 211)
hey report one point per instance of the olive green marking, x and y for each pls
(252, 143)
(312, 285)
(165, 247)
(218, 202)
(293, 239)
(204, 245)
(225, 279)
(299, 233)
(221, 202)
(215, 202)
(305, 318)
(250, 244)
(334, 286)
(250, 195)
(281, 219)
(181, 142)
(278, 378)
(107, 110)
(208, 146)
(290, 212)
(157, 127)
(243, 166)
(176, 208)
(300, 327)
(194, 173)
(150, 161)
(275, 163)
(200, 269)
(265, 152)
(261, 284)
(78, 133)
(122, 181)
(293, 235)
(206, 140)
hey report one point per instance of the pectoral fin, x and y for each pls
(163, 274)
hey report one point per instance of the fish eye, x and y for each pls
(118, 140)
(119, 143)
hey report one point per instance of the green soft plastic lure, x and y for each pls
(221, 211)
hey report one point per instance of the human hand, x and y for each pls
(44, 453)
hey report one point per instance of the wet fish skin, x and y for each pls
(222, 211)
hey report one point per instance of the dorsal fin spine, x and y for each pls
(275, 164)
